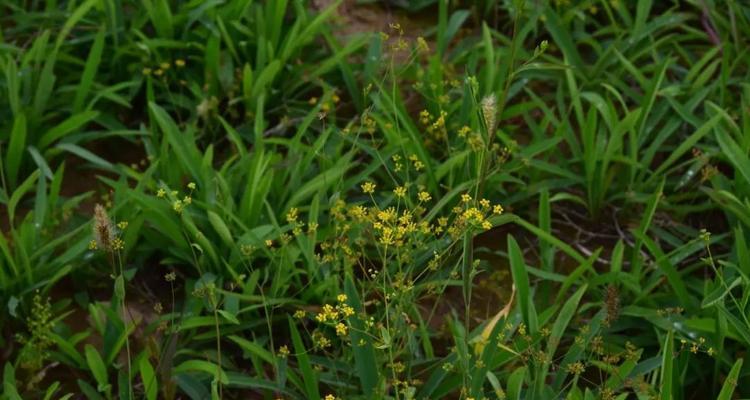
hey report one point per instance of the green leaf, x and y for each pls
(515, 383)
(14, 154)
(734, 153)
(89, 71)
(364, 352)
(66, 127)
(731, 382)
(521, 281)
(308, 375)
(201, 366)
(229, 316)
(87, 155)
(9, 383)
(719, 293)
(666, 377)
(221, 228)
(150, 382)
(96, 365)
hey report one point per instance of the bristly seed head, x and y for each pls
(612, 301)
(104, 233)
(489, 112)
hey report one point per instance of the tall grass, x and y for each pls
(517, 200)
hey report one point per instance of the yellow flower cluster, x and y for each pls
(178, 205)
(334, 316)
(163, 67)
(435, 126)
(470, 215)
(368, 187)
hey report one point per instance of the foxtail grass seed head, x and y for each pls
(612, 302)
(489, 112)
(104, 232)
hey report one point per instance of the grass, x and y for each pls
(460, 200)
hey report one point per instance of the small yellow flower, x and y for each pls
(191, 185)
(347, 311)
(122, 225)
(424, 196)
(465, 198)
(368, 187)
(269, 243)
(576, 368)
(341, 329)
(164, 65)
(341, 298)
(283, 351)
(161, 193)
(330, 397)
(187, 200)
(291, 216)
(178, 206)
(497, 209)
(159, 72)
(399, 191)
(146, 71)
(93, 245)
(299, 314)
(179, 62)
(422, 45)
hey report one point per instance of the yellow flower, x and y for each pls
(422, 45)
(146, 71)
(164, 65)
(93, 245)
(341, 298)
(424, 117)
(122, 225)
(347, 311)
(497, 209)
(191, 185)
(424, 196)
(269, 243)
(283, 351)
(179, 62)
(330, 397)
(161, 193)
(465, 198)
(341, 329)
(368, 187)
(576, 368)
(399, 191)
(291, 216)
(299, 314)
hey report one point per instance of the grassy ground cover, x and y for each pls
(427, 199)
